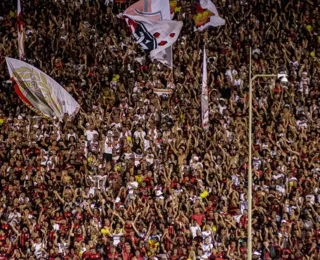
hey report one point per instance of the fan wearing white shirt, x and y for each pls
(90, 132)
(207, 247)
(132, 185)
(207, 234)
(304, 83)
(71, 133)
(153, 133)
(108, 150)
(194, 228)
(117, 234)
(149, 156)
(38, 247)
(138, 156)
(139, 133)
(146, 143)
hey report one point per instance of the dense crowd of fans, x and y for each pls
(134, 176)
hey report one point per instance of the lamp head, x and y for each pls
(283, 78)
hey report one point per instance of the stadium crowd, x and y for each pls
(133, 176)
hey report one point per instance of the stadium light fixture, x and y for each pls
(283, 79)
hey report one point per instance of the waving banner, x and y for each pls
(154, 37)
(39, 91)
(165, 92)
(154, 10)
(174, 8)
(207, 15)
(146, 19)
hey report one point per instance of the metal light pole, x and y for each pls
(250, 165)
(251, 79)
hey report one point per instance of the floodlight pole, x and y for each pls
(251, 79)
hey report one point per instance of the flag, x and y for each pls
(154, 36)
(39, 91)
(155, 11)
(20, 32)
(174, 8)
(207, 15)
(163, 91)
(204, 94)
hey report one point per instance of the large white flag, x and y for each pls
(207, 15)
(154, 36)
(20, 32)
(152, 9)
(39, 91)
(152, 12)
(204, 94)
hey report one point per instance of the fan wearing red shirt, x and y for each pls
(175, 255)
(244, 219)
(198, 216)
(94, 255)
(210, 207)
(131, 236)
(3, 237)
(3, 256)
(86, 255)
(217, 254)
(24, 237)
(285, 254)
(78, 214)
(7, 247)
(126, 254)
(54, 256)
(137, 255)
(91, 255)
(70, 255)
(113, 254)
(79, 237)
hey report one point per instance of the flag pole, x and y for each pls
(20, 31)
(249, 230)
(204, 93)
